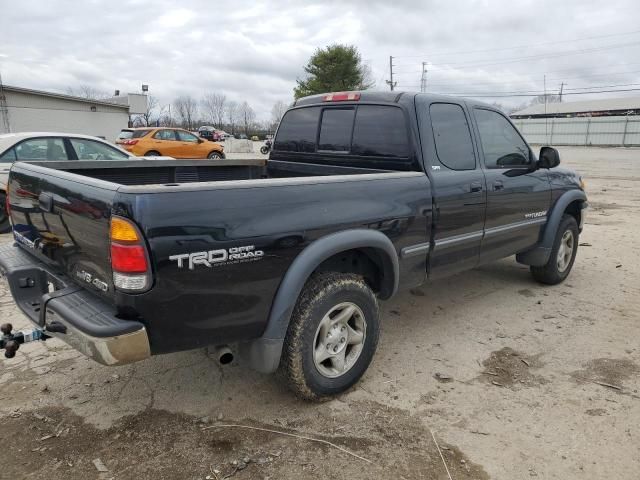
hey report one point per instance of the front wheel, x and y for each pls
(5, 224)
(563, 254)
(264, 150)
(332, 336)
(214, 156)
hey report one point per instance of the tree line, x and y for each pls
(212, 109)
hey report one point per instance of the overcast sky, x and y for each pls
(256, 52)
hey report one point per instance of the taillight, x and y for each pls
(129, 259)
(341, 97)
(130, 142)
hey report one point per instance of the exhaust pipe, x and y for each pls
(223, 354)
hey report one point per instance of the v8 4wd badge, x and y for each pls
(210, 258)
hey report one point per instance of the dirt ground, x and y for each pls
(513, 380)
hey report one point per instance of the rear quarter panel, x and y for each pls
(231, 301)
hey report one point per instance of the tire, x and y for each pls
(336, 317)
(264, 150)
(152, 153)
(215, 155)
(5, 224)
(563, 254)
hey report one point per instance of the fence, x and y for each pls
(603, 131)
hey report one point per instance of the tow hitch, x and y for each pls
(10, 342)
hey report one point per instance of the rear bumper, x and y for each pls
(89, 323)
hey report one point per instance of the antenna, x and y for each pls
(423, 79)
(4, 110)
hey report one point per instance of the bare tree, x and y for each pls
(214, 105)
(87, 91)
(247, 117)
(231, 111)
(149, 117)
(186, 107)
(277, 112)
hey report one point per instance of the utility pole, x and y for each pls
(423, 79)
(561, 88)
(390, 82)
(4, 110)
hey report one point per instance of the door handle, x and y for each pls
(46, 202)
(475, 187)
(498, 185)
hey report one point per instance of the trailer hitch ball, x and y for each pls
(6, 328)
(10, 346)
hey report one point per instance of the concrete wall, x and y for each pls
(587, 131)
(38, 113)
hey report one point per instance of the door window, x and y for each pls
(503, 147)
(165, 135)
(186, 136)
(452, 136)
(9, 156)
(380, 131)
(335, 130)
(41, 149)
(91, 150)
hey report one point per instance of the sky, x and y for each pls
(255, 51)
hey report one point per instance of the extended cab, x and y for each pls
(364, 194)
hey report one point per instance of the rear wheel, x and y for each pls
(5, 225)
(152, 153)
(563, 254)
(215, 155)
(264, 150)
(332, 336)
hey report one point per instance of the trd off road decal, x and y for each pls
(247, 253)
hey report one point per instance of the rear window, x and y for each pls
(297, 132)
(139, 133)
(335, 129)
(125, 134)
(380, 131)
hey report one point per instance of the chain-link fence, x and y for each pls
(602, 131)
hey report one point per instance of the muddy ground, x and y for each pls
(512, 379)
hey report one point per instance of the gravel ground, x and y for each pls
(532, 381)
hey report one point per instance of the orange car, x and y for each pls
(170, 142)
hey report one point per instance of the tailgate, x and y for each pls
(64, 219)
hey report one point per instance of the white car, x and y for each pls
(47, 146)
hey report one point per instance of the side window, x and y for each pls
(92, 150)
(9, 156)
(335, 129)
(297, 131)
(165, 135)
(380, 131)
(41, 149)
(503, 147)
(452, 136)
(186, 136)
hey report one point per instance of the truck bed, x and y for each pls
(173, 172)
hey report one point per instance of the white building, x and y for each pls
(37, 111)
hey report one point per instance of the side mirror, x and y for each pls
(549, 158)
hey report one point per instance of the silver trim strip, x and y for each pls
(414, 250)
(457, 239)
(514, 226)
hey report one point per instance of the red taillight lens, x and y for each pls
(128, 258)
(130, 142)
(341, 97)
(7, 205)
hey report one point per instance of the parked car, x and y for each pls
(39, 146)
(173, 142)
(364, 194)
(212, 135)
(125, 134)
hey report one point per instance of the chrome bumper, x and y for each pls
(83, 320)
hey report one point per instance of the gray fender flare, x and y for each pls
(539, 255)
(263, 354)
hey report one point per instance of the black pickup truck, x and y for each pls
(364, 193)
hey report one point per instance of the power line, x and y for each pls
(519, 46)
(537, 91)
(500, 95)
